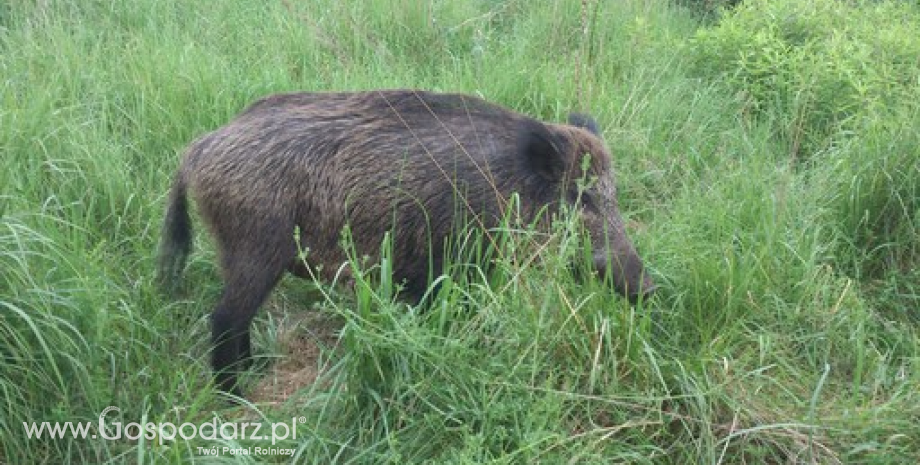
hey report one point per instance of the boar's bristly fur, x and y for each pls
(410, 163)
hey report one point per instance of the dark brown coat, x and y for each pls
(409, 162)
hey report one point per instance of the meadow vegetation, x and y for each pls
(768, 158)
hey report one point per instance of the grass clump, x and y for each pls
(872, 189)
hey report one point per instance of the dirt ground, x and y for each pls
(307, 338)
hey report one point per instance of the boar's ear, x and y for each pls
(584, 121)
(544, 152)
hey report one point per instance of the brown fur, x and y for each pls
(408, 162)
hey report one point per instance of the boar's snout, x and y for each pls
(626, 272)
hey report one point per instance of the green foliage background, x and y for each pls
(768, 162)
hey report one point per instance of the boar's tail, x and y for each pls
(176, 240)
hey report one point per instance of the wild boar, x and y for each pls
(411, 163)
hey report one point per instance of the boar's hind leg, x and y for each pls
(252, 263)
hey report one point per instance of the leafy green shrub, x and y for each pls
(816, 68)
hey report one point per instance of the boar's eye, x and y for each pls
(583, 199)
(586, 200)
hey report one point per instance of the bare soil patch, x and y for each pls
(308, 340)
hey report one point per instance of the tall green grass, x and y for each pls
(768, 167)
